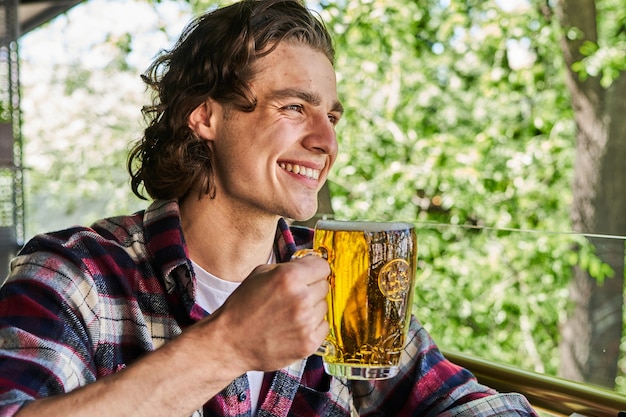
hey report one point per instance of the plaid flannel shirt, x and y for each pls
(84, 303)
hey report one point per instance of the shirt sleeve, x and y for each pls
(507, 405)
(47, 323)
(430, 385)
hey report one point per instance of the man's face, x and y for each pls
(274, 160)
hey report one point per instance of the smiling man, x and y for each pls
(192, 306)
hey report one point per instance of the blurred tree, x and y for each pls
(82, 98)
(594, 47)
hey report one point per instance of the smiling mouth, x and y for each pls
(301, 170)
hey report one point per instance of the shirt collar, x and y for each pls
(166, 244)
(165, 240)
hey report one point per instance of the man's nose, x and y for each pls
(322, 137)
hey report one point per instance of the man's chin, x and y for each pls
(303, 215)
(302, 218)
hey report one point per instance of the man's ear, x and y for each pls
(203, 119)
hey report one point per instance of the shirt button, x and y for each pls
(242, 397)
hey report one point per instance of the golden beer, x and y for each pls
(369, 303)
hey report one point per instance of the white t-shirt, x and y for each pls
(211, 293)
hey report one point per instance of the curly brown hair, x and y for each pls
(213, 58)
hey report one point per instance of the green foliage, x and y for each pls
(458, 119)
(606, 59)
(79, 128)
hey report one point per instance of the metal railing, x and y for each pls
(555, 396)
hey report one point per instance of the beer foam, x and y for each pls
(362, 226)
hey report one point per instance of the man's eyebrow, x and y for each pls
(338, 107)
(311, 98)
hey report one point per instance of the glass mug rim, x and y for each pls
(371, 226)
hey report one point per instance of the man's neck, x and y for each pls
(226, 244)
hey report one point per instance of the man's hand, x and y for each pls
(277, 314)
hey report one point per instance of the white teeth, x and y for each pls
(301, 170)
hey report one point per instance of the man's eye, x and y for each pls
(333, 119)
(295, 107)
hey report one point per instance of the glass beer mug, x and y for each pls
(373, 267)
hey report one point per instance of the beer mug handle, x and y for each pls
(323, 350)
(306, 252)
